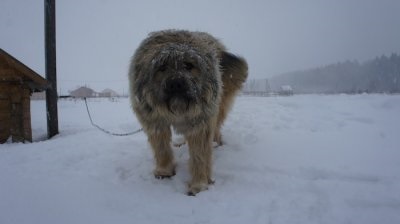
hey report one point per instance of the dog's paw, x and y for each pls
(196, 188)
(161, 173)
(217, 140)
(178, 141)
(178, 144)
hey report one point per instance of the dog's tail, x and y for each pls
(234, 71)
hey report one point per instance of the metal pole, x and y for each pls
(51, 72)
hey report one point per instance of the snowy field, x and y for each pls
(301, 159)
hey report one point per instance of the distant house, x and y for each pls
(108, 93)
(82, 92)
(17, 83)
(286, 90)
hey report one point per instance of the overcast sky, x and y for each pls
(96, 38)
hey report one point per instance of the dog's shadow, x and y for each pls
(138, 170)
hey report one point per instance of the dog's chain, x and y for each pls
(106, 131)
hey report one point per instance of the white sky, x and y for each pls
(96, 38)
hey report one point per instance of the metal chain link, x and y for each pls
(106, 131)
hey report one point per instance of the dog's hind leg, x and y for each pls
(234, 73)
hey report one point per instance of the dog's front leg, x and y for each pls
(160, 143)
(200, 163)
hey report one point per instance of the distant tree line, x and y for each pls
(380, 75)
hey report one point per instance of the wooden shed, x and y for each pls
(17, 82)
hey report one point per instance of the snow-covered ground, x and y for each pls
(301, 159)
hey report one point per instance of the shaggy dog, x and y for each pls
(186, 80)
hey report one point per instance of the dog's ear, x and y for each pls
(234, 69)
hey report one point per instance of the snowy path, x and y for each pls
(301, 159)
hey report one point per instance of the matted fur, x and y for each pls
(188, 81)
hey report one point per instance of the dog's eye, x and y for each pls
(162, 68)
(188, 66)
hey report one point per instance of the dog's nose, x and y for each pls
(176, 86)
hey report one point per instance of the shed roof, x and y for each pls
(12, 70)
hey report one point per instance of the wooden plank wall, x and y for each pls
(15, 118)
(5, 114)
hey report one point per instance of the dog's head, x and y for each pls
(175, 76)
(182, 77)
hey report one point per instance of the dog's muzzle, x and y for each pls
(177, 94)
(176, 87)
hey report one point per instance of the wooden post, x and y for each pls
(51, 72)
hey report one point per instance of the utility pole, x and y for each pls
(267, 86)
(51, 72)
